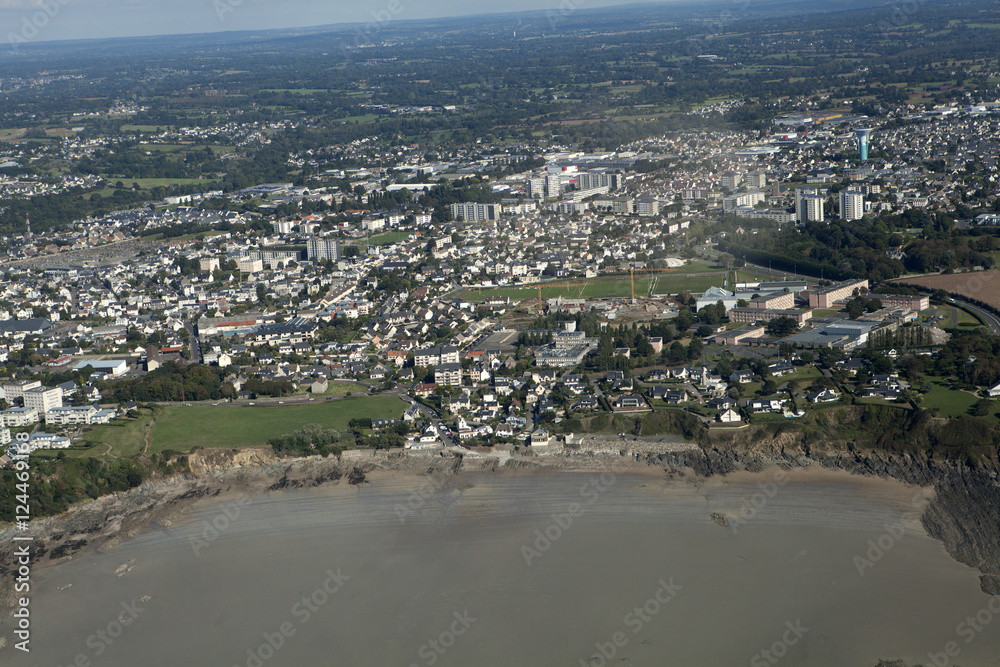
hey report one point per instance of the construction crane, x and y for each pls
(631, 272)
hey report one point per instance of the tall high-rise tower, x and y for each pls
(863, 136)
(27, 219)
(852, 204)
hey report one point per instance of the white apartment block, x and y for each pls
(15, 390)
(73, 415)
(852, 205)
(18, 417)
(43, 399)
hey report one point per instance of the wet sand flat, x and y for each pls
(814, 568)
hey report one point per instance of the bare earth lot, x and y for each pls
(981, 285)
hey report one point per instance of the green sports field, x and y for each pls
(183, 428)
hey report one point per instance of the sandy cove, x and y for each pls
(955, 504)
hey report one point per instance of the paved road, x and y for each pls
(295, 399)
(197, 355)
(433, 418)
(992, 321)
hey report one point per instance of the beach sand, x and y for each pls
(412, 569)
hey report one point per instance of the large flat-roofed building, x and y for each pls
(475, 212)
(22, 328)
(448, 374)
(275, 255)
(844, 334)
(852, 205)
(751, 315)
(773, 300)
(809, 205)
(17, 417)
(43, 399)
(318, 249)
(15, 390)
(435, 356)
(588, 180)
(743, 199)
(756, 179)
(71, 415)
(780, 216)
(115, 367)
(914, 302)
(568, 350)
(714, 295)
(793, 286)
(730, 300)
(250, 265)
(647, 205)
(736, 336)
(227, 326)
(295, 330)
(826, 297)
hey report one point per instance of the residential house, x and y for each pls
(728, 416)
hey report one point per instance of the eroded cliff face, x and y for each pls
(206, 461)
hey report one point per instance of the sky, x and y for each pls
(44, 20)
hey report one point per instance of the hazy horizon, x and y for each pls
(30, 21)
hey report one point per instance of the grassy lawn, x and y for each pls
(363, 118)
(188, 237)
(824, 312)
(593, 288)
(337, 389)
(183, 428)
(674, 284)
(382, 239)
(965, 318)
(147, 183)
(126, 437)
(948, 315)
(950, 403)
(613, 287)
(805, 376)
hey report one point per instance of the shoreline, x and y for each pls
(958, 504)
